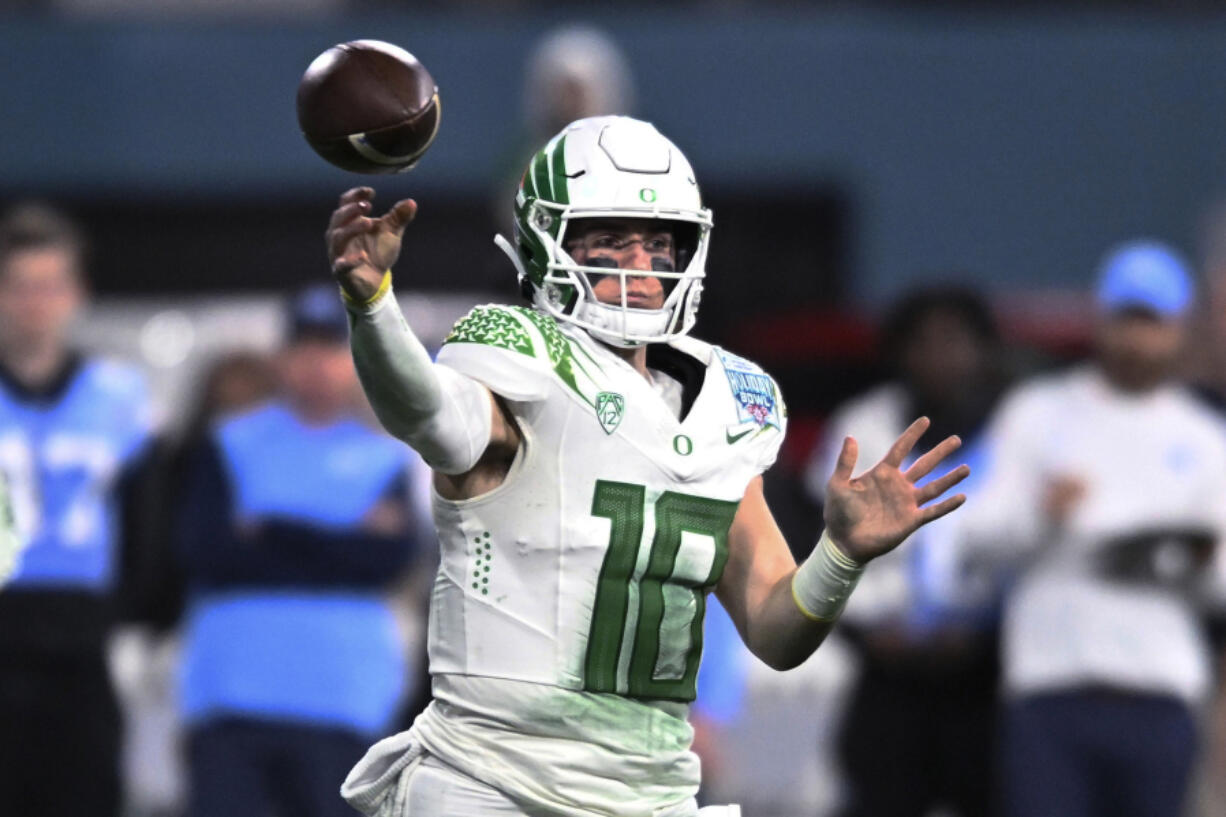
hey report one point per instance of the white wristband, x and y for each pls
(824, 581)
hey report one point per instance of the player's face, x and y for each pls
(40, 295)
(319, 377)
(942, 357)
(1138, 349)
(625, 244)
(237, 382)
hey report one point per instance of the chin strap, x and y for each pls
(506, 247)
(606, 322)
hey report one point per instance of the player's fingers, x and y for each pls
(903, 445)
(922, 466)
(339, 238)
(356, 194)
(846, 462)
(402, 212)
(942, 484)
(347, 212)
(941, 508)
(347, 262)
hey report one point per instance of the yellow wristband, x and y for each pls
(384, 286)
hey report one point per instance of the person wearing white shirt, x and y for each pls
(1108, 482)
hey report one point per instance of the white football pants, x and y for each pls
(437, 790)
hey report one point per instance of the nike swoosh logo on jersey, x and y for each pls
(732, 438)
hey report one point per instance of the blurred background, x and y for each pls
(851, 152)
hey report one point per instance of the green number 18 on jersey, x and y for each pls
(646, 634)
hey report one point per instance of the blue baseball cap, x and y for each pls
(317, 313)
(1146, 275)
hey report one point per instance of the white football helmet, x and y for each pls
(609, 167)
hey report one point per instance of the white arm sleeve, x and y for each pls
(444, 415)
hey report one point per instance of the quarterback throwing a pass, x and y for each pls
(597, 473)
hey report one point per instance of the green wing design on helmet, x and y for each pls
(545, 180)
(545, 177)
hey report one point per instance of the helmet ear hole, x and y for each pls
(542, 219)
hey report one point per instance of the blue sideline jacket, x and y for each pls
(63, 451)
(286, 619)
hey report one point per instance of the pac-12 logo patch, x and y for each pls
(610, 406)
(753, 390)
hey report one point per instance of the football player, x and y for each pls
(597, 473)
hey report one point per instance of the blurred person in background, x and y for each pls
(918, 731)
(1212, 793)
(1206, 358)
(231, 383)
(72, 431)
(1205, 364)
(574, 71)
(294, 525)
(148, 657)
(722, 689)
(1109, 481)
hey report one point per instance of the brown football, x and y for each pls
(368, 106)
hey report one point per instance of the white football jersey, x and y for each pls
(566, 617)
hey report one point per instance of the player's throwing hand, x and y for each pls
(873, 513)
(360, 247)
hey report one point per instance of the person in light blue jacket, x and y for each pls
(73, 432)
(294, 525)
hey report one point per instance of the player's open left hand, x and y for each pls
(872, 513)
(361, 247)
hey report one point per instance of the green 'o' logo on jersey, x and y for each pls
(683, 445)
(647, 194)
(609, 409)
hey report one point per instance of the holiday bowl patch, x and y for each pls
(752, 390)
